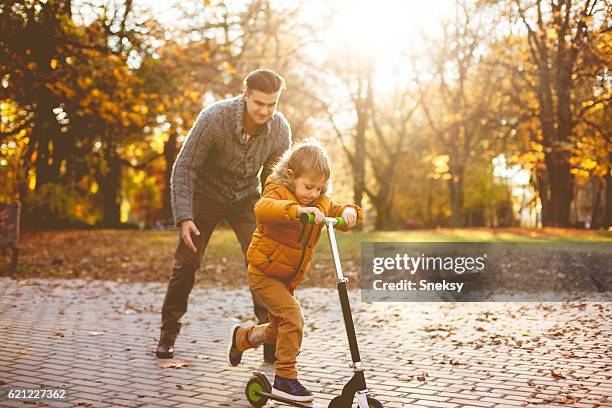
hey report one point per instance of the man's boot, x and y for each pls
(269, 351)
(165, 347)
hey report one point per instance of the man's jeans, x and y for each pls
(207, 215)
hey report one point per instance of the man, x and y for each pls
(216, 177)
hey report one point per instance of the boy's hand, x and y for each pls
(350, 217)
(319, 216)
(187, 228)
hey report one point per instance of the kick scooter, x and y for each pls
(258, 388)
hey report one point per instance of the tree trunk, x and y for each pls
(430, 218)
(110, 186)
(44, 133)
(455, 187)
(597, 187)
(543, 192)
(384, 206)
(561, 189)
(363, 111)
(383, 218)
(608, 212)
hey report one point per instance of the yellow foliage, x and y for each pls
(118, 74)
(62, 88)
(589, 164)
(229, 68)
(157, 143)
(84, 82)
(78, 210)
(194, 96)
(110, 107)
(441, 160)
(537, 146)
(31, 180)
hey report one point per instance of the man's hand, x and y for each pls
(319, 216)
(350, 217)
(187, 228)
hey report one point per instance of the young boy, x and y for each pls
(279, 254)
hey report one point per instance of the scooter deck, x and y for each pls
(290, 402)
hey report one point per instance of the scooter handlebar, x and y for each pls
(309, 218)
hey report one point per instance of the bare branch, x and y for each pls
(143, 164)
(332, 121)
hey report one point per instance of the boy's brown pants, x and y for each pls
(286, 326)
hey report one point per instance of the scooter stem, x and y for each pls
(358, 384)
(334, 248)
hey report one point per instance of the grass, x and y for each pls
(126, 255)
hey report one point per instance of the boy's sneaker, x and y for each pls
(291, 389)
(234, 356)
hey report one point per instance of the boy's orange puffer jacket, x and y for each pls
(279, 248)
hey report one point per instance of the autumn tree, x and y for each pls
(393, 138)
(456, 91)
(562, 58)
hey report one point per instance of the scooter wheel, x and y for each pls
(253, 389)
(374, 403)
(338, 402)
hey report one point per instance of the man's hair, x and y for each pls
(264, 80)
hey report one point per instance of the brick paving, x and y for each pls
(97, 340)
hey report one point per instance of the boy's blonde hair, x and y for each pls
(306, 158)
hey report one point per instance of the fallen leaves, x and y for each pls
(419, 377)
(133, 256)
(557, 374)
(451, 361)
(175, 364)
(441, 331)
(566, 399)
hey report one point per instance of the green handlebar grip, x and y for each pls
(309, 218)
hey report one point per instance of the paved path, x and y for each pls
(96, 339)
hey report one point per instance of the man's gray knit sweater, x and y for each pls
(215, 163)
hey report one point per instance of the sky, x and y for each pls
(381, 30)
